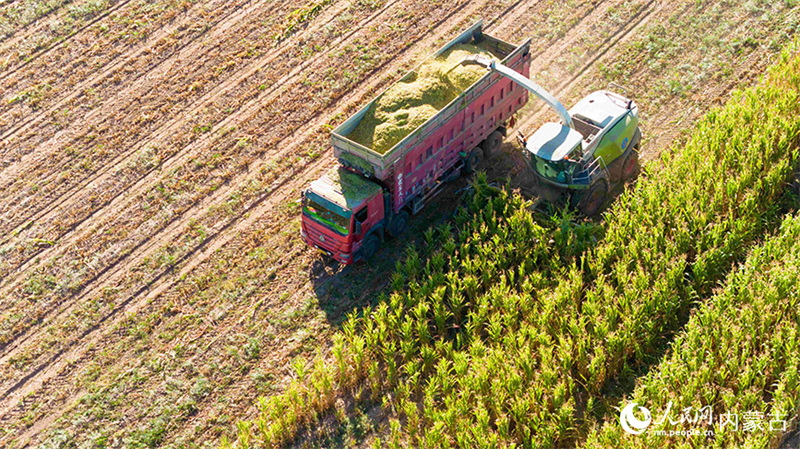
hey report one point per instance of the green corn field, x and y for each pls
(741, 346)
(507, 329)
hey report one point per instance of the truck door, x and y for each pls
(362, 222)
(370, 215)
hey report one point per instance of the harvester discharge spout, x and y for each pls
(524, 82)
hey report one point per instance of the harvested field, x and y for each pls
(153, 283)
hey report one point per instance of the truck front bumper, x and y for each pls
(343, 258)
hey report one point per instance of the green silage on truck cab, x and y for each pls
(345, 188)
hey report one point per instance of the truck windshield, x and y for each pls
(327, 213)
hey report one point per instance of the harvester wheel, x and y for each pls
(473, 160)
(399, 224)
(492, 143)
(796, 183)
(370, 247)
(630, 166)
(592, 200)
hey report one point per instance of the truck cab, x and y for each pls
(341, 211)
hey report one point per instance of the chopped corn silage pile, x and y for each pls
(409, 103)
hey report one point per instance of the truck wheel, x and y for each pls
(630, 166)
(592, 200)
(492, 143)
(370, 247)
(399, 224)
(473, 160)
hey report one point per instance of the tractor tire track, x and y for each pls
(62, 42)
(113, 66)
(36, 21)
(48, 211)
(637, 22)
(31, 28)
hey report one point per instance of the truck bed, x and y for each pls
(375, 164)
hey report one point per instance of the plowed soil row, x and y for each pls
(53, 25)
(94, 130)
(49, 73)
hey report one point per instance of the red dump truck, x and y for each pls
(370, 196)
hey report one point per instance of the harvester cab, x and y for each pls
(595, 144)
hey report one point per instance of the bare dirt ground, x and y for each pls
(152, 280)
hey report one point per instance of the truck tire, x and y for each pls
(370, 246)
(491, 146)
(592, 200)
(399, 224)
(473, 160)
(630, 166)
